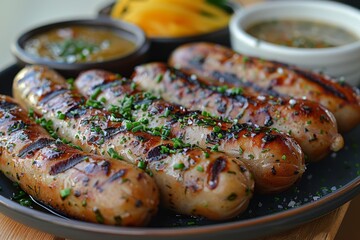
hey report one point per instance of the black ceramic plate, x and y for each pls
(325, 186)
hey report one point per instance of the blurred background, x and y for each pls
(19, 15)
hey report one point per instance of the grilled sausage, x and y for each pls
(80, 185)
(217, 187)
(312, 126)
(263, 150)
(220, 65)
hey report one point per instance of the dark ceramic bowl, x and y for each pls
(161, 48)
(121, 64)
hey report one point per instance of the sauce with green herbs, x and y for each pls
(79, 44)
(301, 33)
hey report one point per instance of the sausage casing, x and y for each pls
(275, 159)
(311, 125)
(217, 187)
(220, 65)
(78, 184)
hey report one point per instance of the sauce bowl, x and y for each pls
(122, 64)
(161, 47)
(342, 61)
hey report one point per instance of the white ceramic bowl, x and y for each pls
(342, 61)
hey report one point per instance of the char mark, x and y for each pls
(39, 144)
(233, 80)
(217, 167)
(228, 78)
(67, 164)
(112, 131)
(76, 111)
(16, 126)
(52, 95)
(117, 175)
(265, 91)
(197, 62)
(155, 154)
(268, 137)
(109, 84)
(108, 133)
(328, 87)
(105, 166)
(29, 74)
(6, 106)
(177, 74)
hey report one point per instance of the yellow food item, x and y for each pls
(171, 18)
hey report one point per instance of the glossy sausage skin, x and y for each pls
(217, 187)
(275, 159)
(44, 167)
(311, 125)
(219, 65)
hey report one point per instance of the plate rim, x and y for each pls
(326, 203)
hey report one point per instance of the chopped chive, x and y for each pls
(142, 165)
(31, 113)
(138, 128)
(216, 129)
(113, 154)
(167, 112)
(65, 192)
(158, 78)
(215, 148)
(179, 166)
(200, 168)
(95, 94)
(60, 115)
(241, 151)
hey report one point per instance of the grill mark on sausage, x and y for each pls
(30, 74)
(39, 144)
(6, 106)
(108, 84)
(216, 168)
(176, 74)
(328, 87)
(269, 138)
(110, 132)
(233, 80)
(107, 134)
(198, 86)
(52, 95)
(76, 111)
(266, 91)
(67, 164)
(155, 153)
(117, 175)
(227, 77)
(221, 105)
(197, 62)
(268, 120)
(105, 166)
(16, 126)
